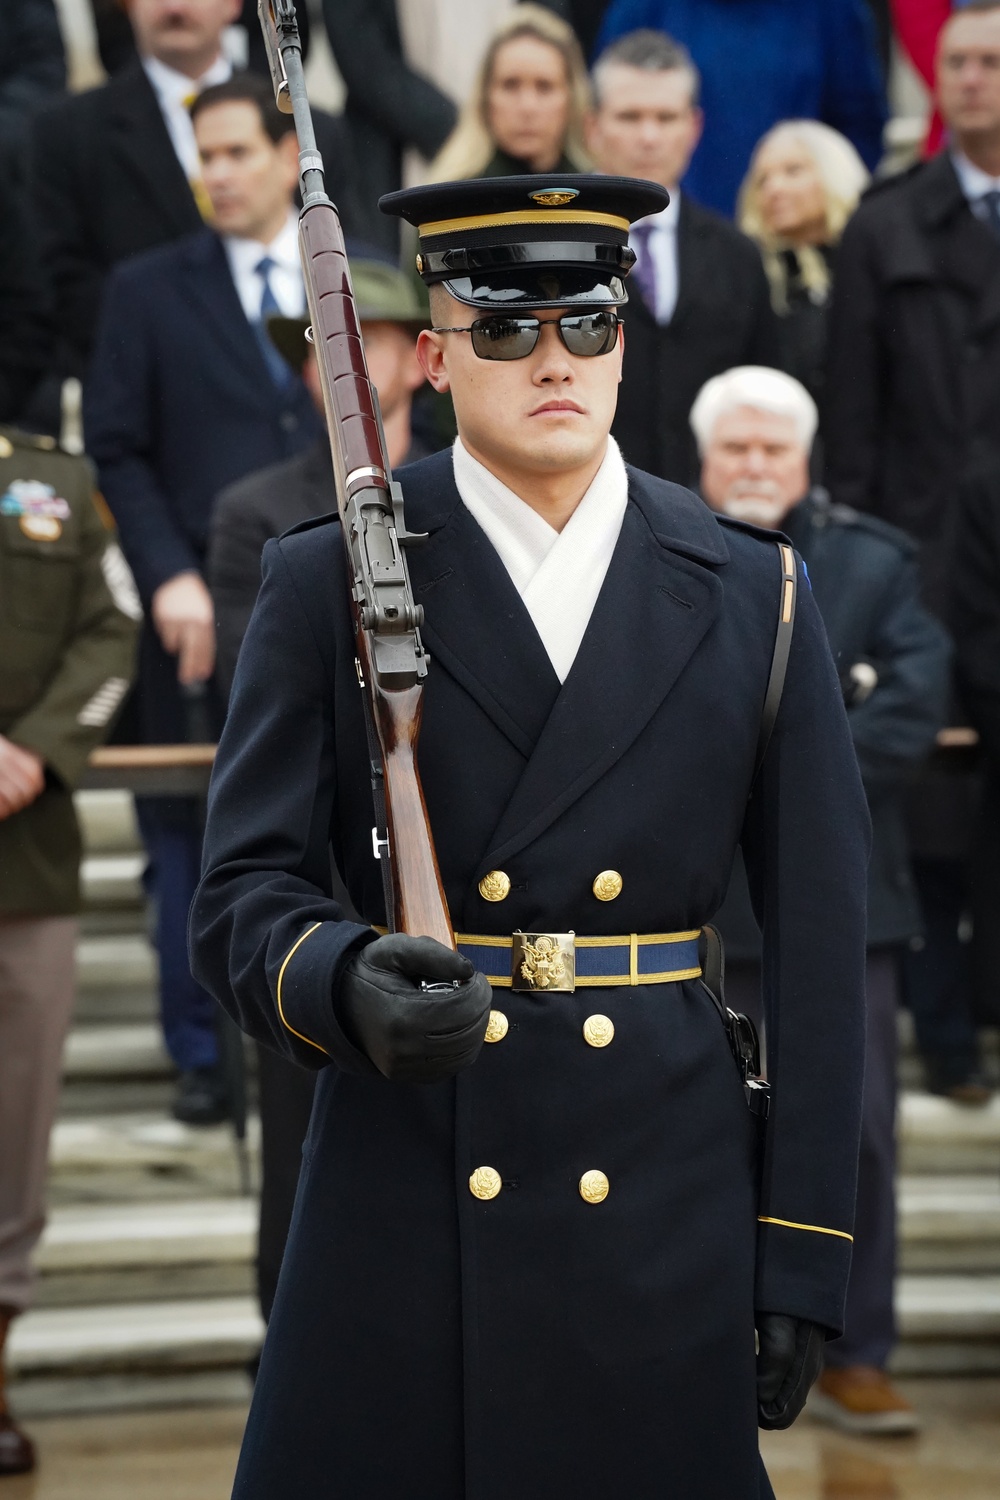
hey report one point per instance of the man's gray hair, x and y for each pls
(760, 388)
(651, 52)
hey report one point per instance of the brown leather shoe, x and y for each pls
(861, 1399)
(17, 1451)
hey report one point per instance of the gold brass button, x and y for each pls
(420, 264)
(594, 1187)
(6, 447)
(598, 1031)
(498, 1026)
(495, 886)
(608, 885)
(485, 1182)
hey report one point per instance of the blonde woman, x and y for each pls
(803, 184)
(527, 107)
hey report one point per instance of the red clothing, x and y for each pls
(918, 25)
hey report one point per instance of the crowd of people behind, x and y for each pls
(811, 343)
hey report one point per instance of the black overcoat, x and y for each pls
(723, 317)
(912, 399)
(866, 584)
(428, 1345)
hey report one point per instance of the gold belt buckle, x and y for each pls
(543, 961)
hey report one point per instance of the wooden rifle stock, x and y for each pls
(391, 660)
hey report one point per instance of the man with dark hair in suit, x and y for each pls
(186, 393)
(116, 169)
(703, 303)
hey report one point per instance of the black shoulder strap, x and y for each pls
(782, 646)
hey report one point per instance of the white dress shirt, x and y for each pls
(174, 92)
(663, 247)
(244, 257)
(975, 183)
(558, 574)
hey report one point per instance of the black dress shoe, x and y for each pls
(17, 1451)
(201, 1097)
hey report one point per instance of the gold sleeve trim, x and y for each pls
(840, 1234)
(281, 974)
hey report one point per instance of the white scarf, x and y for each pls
(558, 574)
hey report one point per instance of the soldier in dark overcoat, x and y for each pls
(535, 1267)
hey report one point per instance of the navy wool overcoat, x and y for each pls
(429, 1345)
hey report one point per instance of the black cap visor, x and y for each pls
(525, 287)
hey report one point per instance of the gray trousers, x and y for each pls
(36, 1000)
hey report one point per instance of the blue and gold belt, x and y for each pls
(562, 961)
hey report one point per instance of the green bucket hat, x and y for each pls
(382, 294)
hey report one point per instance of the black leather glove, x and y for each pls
(413, 1035)
(790, 1353)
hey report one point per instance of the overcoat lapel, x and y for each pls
(656, 604)
(475, 623)
(141, 142)
(653, 610)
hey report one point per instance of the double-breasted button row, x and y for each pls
(495, 885)
(598, 1031)
(485, 1183)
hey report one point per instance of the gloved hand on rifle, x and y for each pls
(790, 1353)
(413, 1035)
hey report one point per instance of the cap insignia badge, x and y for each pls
(554, 197)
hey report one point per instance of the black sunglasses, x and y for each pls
(504, 337)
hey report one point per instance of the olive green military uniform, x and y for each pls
(69, 615)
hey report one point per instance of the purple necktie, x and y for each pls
(643, 273)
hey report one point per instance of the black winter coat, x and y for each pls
(913, 387)
(865, 579)
(424, 1342)
(723, 318)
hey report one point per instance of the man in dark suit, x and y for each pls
(913, 406)
(245, 517)
(701, 303)
(116, 170)
(185, 395)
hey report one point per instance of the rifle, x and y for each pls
(389, 654)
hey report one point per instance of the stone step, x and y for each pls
(115, 1251)
(124, 1050)
(942, 1319)
(123, 1252)
(113, 881)
(949, 1224)
(143, 1155)
(116, 977)
(107, 821)
(936, 1135)
(144, 1337)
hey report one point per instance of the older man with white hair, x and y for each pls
(754, 428)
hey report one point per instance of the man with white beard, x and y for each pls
(754, 428)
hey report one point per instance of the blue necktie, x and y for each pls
(990, 214)
(278, 369)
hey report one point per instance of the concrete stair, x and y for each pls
(145, 1291)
